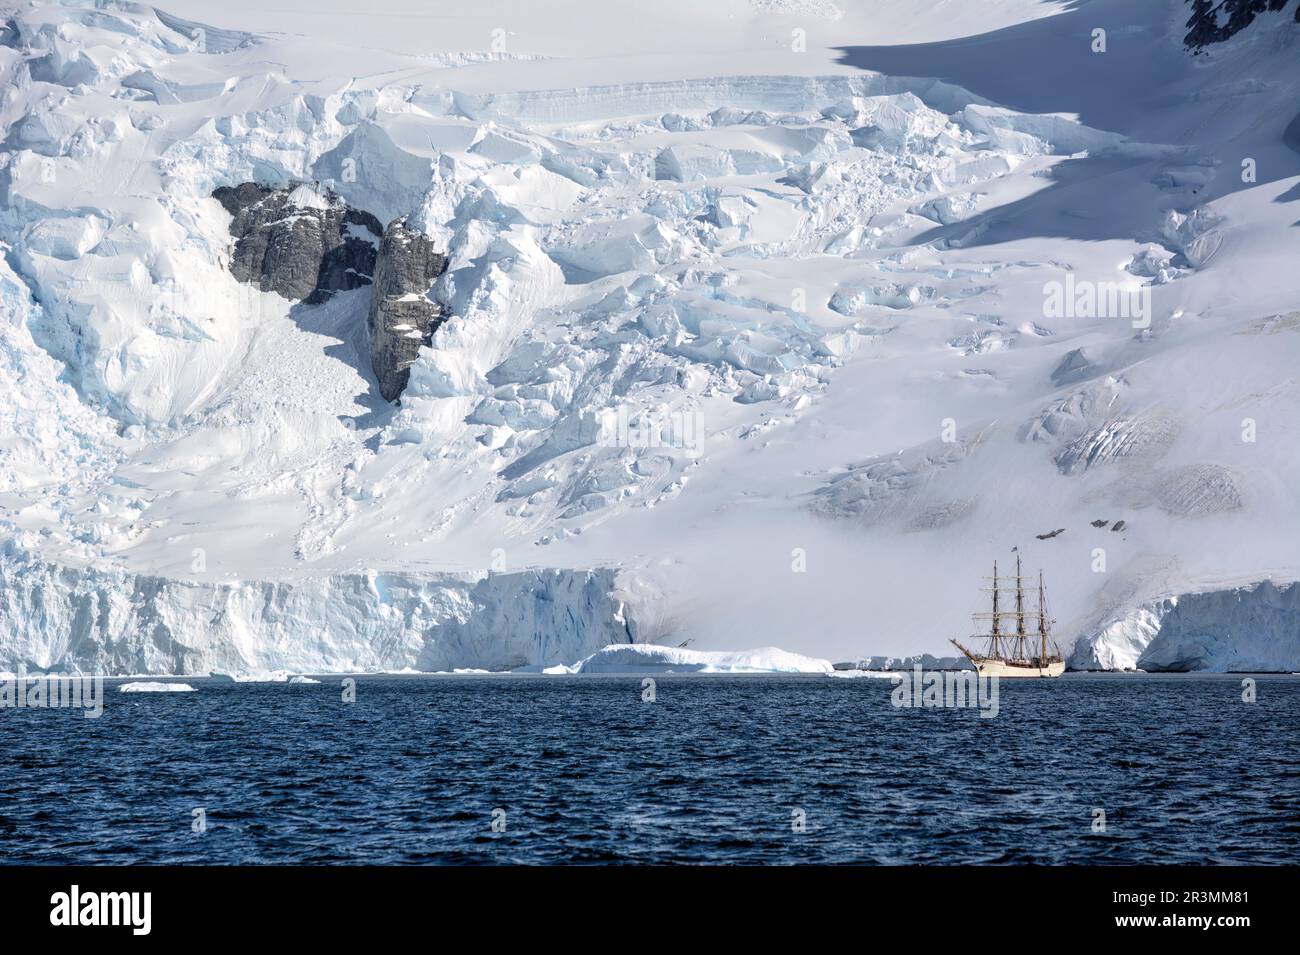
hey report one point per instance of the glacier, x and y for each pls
(1250, 629)
(834, 273)
(61, 618)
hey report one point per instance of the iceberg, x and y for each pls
(147, 686)
(649, 658)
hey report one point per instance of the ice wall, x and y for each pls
(72, 619)
(1244, 629)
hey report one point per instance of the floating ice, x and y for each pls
(152, 687)
(648, 658)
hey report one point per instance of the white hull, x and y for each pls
(1007, 671)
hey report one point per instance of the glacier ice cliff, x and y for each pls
(101, 620)
(1236, 630)
(1119, 644)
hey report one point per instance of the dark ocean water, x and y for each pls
(713, 771)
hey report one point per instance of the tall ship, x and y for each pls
(1011, 651)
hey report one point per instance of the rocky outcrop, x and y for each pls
(402, 316)
(1213, 21)
(305, 243)
(301, 242)
(1074, 366)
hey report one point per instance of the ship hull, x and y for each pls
(1003, 670)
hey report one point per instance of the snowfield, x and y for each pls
(767, 322)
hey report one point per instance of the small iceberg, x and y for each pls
(651, 658)
(271, 676)
(147, 687)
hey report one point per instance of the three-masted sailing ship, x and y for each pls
(1015, 652)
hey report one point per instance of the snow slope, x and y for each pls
(749, 336)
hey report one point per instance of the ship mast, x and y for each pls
(1020, 614)
(996, 616)
(1042, 620)
(1018, 656)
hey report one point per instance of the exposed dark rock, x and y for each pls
(305, 243)
(402, 316)
(300, 242)
(1050, 534)
(1100, 523)
(1213, 21)
(1119, 526)
(1074, 366)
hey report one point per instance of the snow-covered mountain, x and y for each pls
(760, 322)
